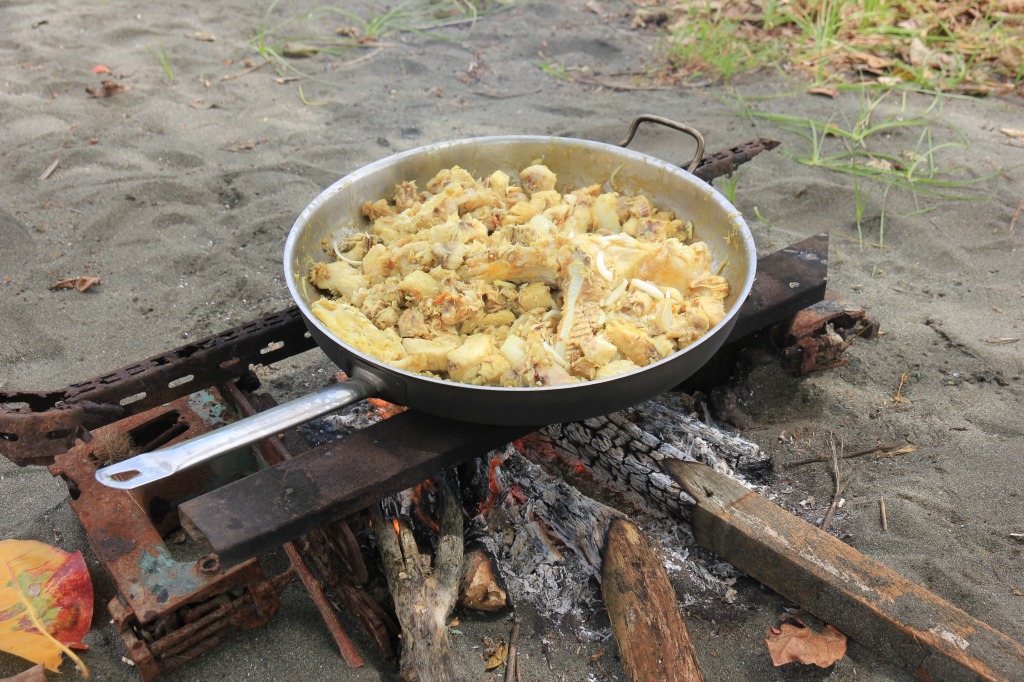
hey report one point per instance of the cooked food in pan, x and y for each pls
(494, 283)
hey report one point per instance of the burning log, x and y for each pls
(423, 595)
(649, 629)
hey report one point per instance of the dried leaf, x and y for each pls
(80, 283)
(919, 53)
(824, 90)
(1013, 132)
(498, 657)
(36, 673)
(299, 50)
(204, 37)
(99, 68)
(46, 602)
(803, 645)
(107, 89)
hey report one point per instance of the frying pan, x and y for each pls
(577, 163)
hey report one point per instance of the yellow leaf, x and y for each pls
(46, 602)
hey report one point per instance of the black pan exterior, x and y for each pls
(577, 163)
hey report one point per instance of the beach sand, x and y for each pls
(179, 192)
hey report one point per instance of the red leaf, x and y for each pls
(99, 68)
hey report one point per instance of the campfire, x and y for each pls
(396, 518)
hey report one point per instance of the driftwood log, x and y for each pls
(865, 600)
(653, 640)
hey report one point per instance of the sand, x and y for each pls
(178, 193)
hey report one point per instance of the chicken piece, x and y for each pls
(545, 199)
(352, 327)
(606, 218)
(552, 374)
(540, 231)
(632, 342)
(419, 285)
(616, 367)
(428, 355)
(447, 177)
(377, 209)
(377, 263)
(537, 178)
(513, 263)
(582, 314)
(339, 278)
(406, 196)
(519, 213)
(598, 351)
(464, 362)
(448, 255)
(535, 295)
(675, 264)
(411, 323)
(498, 183)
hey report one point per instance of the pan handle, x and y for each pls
(669, 123)
(153, 466)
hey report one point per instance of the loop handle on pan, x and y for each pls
(668, 123)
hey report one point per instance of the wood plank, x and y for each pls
(864, 599)
(652, 636)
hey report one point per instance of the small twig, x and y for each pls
(840, 485)
(1016, 214)
(898, 398)
(232, 76)
(848, 455)
(512, 658)
(49, 169)
(881, 510)
(56, 162)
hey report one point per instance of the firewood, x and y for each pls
(864, 599)
(424, 597)
(653, 640)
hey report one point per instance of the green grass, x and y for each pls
(160, 55)
(943, 46)
(886, 145)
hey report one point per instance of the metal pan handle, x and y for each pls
(153, 466)
(669, 123)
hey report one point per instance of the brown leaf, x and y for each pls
(1013, 132)
(36, 673)
(107, 89)
(824, 90)
(804, 645)
(499, 656)
(80, 283)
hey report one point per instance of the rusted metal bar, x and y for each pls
(35, 426)
(726, 161)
